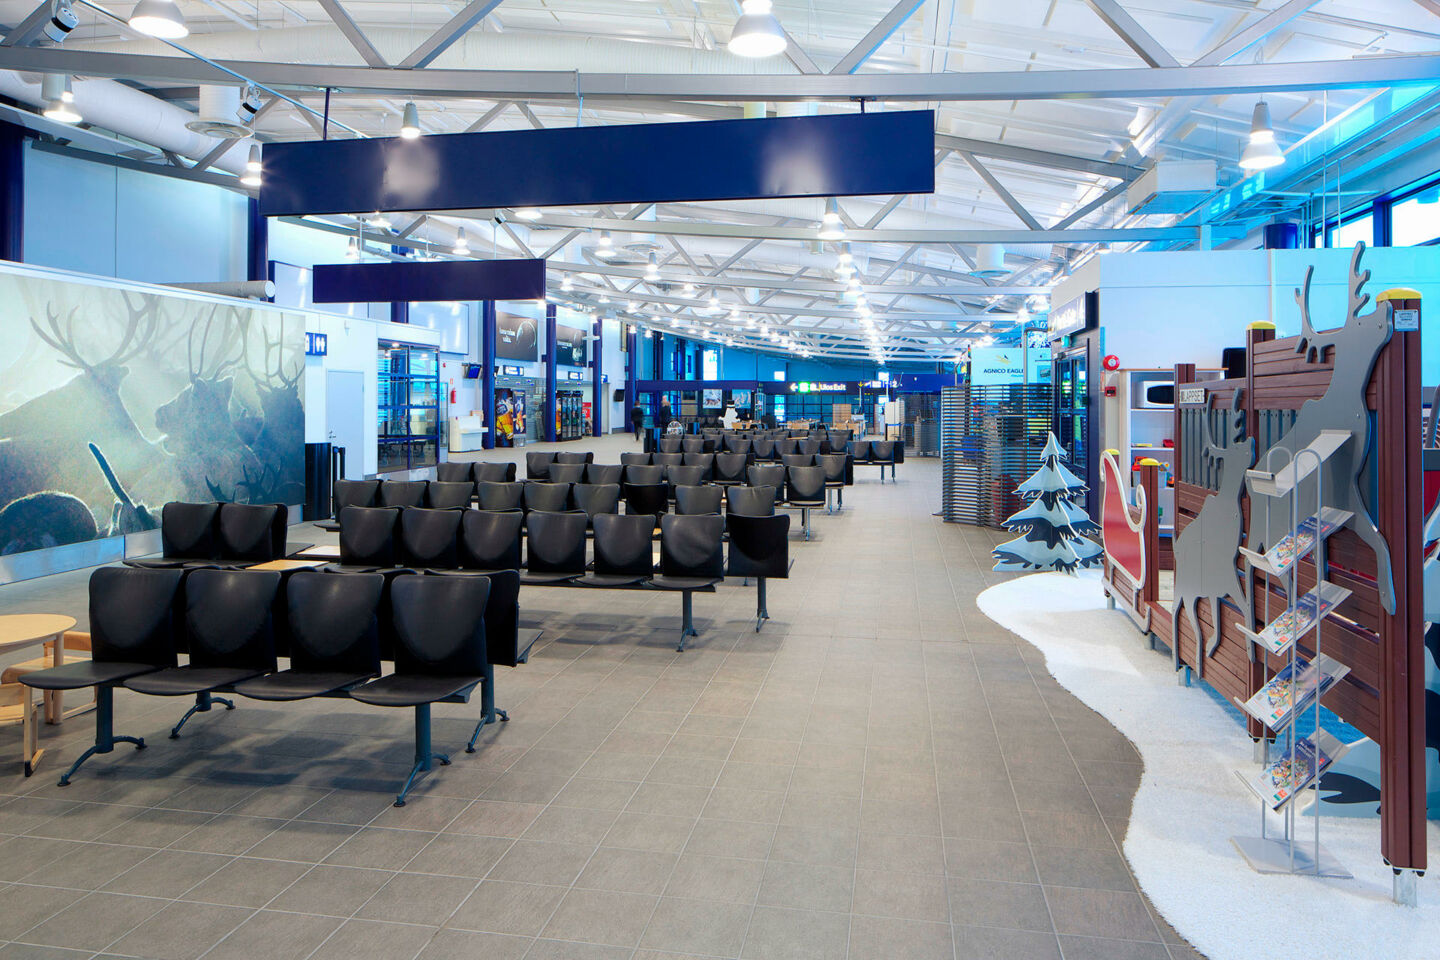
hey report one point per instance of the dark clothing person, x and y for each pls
(637, 419)
(664, 415)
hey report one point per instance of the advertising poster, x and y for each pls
(509, 415)
(517, 331)
(570, 344)
(711, 400)
(1005, 366)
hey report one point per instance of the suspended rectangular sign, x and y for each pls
(839, 155)
(420, 281)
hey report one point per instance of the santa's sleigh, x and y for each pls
(1131, 537)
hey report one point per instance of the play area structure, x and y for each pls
(1296, 567)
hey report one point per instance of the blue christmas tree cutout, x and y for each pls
(1052, 529)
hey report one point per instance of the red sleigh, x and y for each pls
(1132, 569)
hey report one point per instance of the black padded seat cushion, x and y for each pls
(298, 684)
(610, 580)
(412, 689)
(186, 681)
(542, 579)
(683, 583)
(84, 673)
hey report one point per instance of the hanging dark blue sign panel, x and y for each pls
(418, 282)
(843, 155)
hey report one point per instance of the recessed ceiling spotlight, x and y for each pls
(462, 245)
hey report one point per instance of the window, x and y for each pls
(1415, 220)
(1352, 231)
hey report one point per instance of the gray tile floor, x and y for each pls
(881, 773)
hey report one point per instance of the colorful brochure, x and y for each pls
(1295, 546)
(1288, 774)
(1300, 617)
(1291, 690)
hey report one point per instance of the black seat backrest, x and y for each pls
(759, 546)
(670, 445)
(787, 446)
(490, 539)
(763, 448)
(368, 536)
(246, 531)
(634, 459)
(566, 472)
(550, 497)
(685, 476)
(132, 615)
(402, 493)
(494, 472)
(805, 484)
(499, 496)
(882, 451)
(644, 474)
(736, 444)
(572, 457)
(729, 468)
(189, 531)
(650, 499)
(537, 465)
(750, 501)
(596, 498)
(696, 445)
(798, 460)
(427, 538)
(502, 618)
(555, 542)
(444, 495)
(623, 545)
(692, 500)
(860, 451)
(228, 618)
(808, 447)
(604, 473)
(690, 546)
(667, 459)
(766, 475)
(440, 625)
(454, 472)
(835, 466)
(332, 622)
(706, 460)
(354, 493)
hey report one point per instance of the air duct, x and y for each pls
(242, 289)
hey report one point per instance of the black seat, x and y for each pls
(838, 475)
(684, 476)
(805, 488)
(571, 457)
(490, 540)
(494, 472)
(696, 445)
(566, 472)
(671, 445)
(759, 548)
(668, 459)
(495, 495)
(647, 474)
(750, 501)
(729, 468)
(706, 460)
(334, 637)
(860, 451)
(231, 635)
(451, 472)
(798, 460)
(651, 499)
(401, 493)
(691, 559)
(440, 654)
(354, 493)
(251, 532)
(604, 473)
(762, 448)
(449, 495)
(427, 538)
(697, 500)
(882, 452)
(549, 497)
(188, 534)
(786, 446)
(368, 538)
(554, 547)
(737, 444)
(537, 465)
(808, 448)
(766, 475)
(132, 632)
(623, 556)
(634, 459)
(596, 498)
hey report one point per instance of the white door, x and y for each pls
(345, 416)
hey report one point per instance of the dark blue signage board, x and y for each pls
(422, 281)
(841, 155)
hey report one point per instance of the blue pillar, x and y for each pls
(487, 372)
(12, 192)
(400, 309)
(632, 374)
(257, 247)
(551, 407)
(597, 389)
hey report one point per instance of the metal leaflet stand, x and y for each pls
(1284, 853)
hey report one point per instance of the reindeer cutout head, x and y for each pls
(203, 407)
(1368, 332)
(1226, 465)
(135, 338)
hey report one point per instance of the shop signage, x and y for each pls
(512, 371)
(1077, 315)
(316, 344)
(808, 386)
(1190, 395)
(1003, 366)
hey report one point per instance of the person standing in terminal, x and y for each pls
(665, 416)
(637, 420)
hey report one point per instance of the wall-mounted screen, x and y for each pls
(570, 347)
(517, 332)
(1001, 366)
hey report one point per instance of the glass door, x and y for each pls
(1072, 413)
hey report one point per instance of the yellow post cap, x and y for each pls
(1398, 293)
(1113, 452)
(1260, 325)
(1149, 462)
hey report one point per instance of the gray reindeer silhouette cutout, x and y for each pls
(1354, 347)
(1206, 549)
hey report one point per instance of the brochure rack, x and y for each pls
(1295, 764)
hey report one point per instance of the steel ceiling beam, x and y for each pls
(1092, 206)
(1006, 197)
(783, 284)
(353, 33)
(1254, 33)
(877, 36)
(27, 31)
(1136, 37)
(1122, 83)
(442, 39)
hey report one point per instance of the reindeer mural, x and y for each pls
(279, 429)
(1353, 347)
(1206, 549)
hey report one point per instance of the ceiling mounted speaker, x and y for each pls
(219, 109)
(989, 260)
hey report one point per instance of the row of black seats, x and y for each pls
(219, 534)
(382, 539)
(448, 633)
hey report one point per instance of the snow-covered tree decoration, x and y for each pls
(1052, 529)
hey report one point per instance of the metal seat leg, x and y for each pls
(424, 758)
(687, 627)
(105, 738)
(489, 713)
(204, 703)
(761, 613)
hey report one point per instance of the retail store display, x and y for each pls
(1053, 528)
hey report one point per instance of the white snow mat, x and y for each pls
(1190, 803)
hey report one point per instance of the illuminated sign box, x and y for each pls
(316, 344)
(1005, 366)
(1076, 316)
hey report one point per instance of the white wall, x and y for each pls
(612, 364)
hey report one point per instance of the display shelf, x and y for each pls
(1288, 775)
(1282, 481)
(1279, 634)
(1276, 705)
(1298, 545)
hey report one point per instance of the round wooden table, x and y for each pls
(17, 701)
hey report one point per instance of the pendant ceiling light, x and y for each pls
(251, 176)
(159, 18)
(757, 33)
(527, 213)
(831, 227)
(1261, 151)
(410, 123)
(59, 98)
(605, 241)
(352, 250)
(462, 245)
(652, 269)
